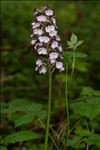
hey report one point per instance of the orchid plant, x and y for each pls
(47, 45)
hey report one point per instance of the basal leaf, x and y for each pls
(42, 114)
(24, 105)
(89, 108)
(20, 137)
(25, 119)
(18, 105)
(34, 108)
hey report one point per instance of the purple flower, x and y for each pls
(46, 41)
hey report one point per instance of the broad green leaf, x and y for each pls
(89, 108)
(25, 119)
(20, 137)
(70, 44)
(3, 148)
(94, 140)
(88, 91)
(24, 105)
(42, 114)
(18, 105)
(34, 108)
(73, 38)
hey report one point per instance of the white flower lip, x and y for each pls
(59, 65)
(39, 62)
(60, 48)
(44, 39)
(38, 45)
(33, 42)
(42, 51)
(53, 33)
(49, 12)
(36, 13)
(43, 70)
(41, 18)
(57, 38)
(53, 20)
(53, 55)
(35, 25)
(54, 44)
(38, 31)
(52, 61)
(50, 28)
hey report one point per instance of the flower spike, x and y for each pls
(46, 41)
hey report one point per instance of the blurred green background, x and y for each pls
(18, 78)
(17, 55)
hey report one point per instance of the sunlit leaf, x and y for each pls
(78, 43)
(73, 38)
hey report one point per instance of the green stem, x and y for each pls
(73, 67)
(43, 126)
(49, 108)
(67, 103)
(74, 126)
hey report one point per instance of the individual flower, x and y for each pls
(37, 32)
(33, 42)
(53, 33)
(39, 62)
(53, 55)
(46, 41)
(54, 44)
(50, 28)
(42, 51)
(60, 48)
(57, 38)
(49, 12)
(53, 20)
(41, 18)
(35, 25)
(43, 70)
(59, 65)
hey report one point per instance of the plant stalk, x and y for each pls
(43, 126)
(67, 103)
(49, 107)
(73, 67)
